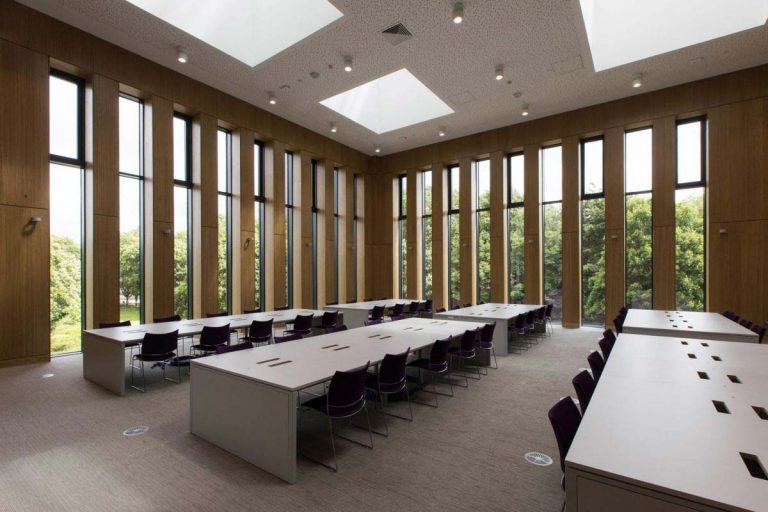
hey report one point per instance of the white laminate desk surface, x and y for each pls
(190, 327)
(689, 324)
(491, 311)
(369, 305)
(652, 423)
(313, 360)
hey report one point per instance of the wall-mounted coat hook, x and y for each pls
(248, 242)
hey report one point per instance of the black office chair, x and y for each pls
(436, 364)
(159, 349)
(211, 337)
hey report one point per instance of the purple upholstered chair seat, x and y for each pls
(372, 382)
(320, 403)
(154, 357)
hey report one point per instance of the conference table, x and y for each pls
(686, 324)
(104, 357)
(673, 425)
(356, 313)
(246, 402)
(500, 314)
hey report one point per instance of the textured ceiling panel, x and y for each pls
(537, 41)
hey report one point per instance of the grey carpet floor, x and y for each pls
(62, 447)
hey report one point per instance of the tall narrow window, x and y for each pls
(315, 210)
(483, 242)
(131, 209)
(67, 164)
(182, 215)
(516, 226)
(592, 232)
(638, 202)
(454, 254)
(336, 234)
(552, 226)
(356, 218)
(258, 227)
(690, 201)
(426, 233)
(224, 146)
(288, 229)
(402, 235)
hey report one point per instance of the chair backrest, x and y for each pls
(260, 328)
(623, 310)
(468, 305)
(597, 363)
(736, 318)
(440, 310)
(392, 370)
(377, 312)
(584, 385)
(745, 323)
(303, 322)
(428, 305)
(395, 318)
(217, 314)
(438, 356)
(549, 309)
(107, 325)
(606, 346)
(223, 349)
(165, 319)
(565, 420)
(468, 340)
(413, 307)
(608, 334)
(520, 321)
(346, 392)
(530, 317)
(290, 337)
(728, 314)
(486, 332)
(618, 322)
(760, 331)
(397, 310)
(372, 322)
(212, 336)
(329, 318)
(335, 328)
(250, 311)
(160, 344)
(541, 313)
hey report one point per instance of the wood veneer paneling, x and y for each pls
(414, 212)
(499, 246)
(467, 232)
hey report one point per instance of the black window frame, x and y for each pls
(336, 227)
(584, 196)
(259, 201)
(227, 194)
(425, 218)
(543, 230)
(513, 205)
(288, 174)
(452, 212)
(402, 224)
(188, 184)
(315, 212)
(478, 211)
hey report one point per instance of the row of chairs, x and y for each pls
(526, 329)
(756, 328)
(401, 311)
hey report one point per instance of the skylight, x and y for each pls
(390, 102)
(251, 31)
(624, 31)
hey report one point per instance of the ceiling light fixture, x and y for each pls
(272, 99)
(458, 12)
(377, 150)
(347, 63)
(181, 55)
(637, 81)
(441, 133)
(499, 72)
(524, 112)
(334, 129)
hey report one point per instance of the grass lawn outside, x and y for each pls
(67, 335)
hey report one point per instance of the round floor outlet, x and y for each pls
(135, 431)
(538, 458)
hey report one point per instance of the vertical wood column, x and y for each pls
(320, 249)
(274, 226)
(297, 256)
(205, 173)
(360, 285)
(499, 234)
(414, 254)
(664, 213)
(330, 242)
(439, 236)
(158, 207)
(378, 233)
(467, 231)
(341, 241)
(350, 261)
(532, 212)
(613, 173)
(307, 250)
(571, 234)
(103, 249)
(243, 191)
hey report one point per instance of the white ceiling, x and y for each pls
(541, 43)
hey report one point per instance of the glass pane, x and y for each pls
(689, 154)
(552, 173)
(553, 257)
(180, 150)
(223, 256)
(257, 253)
(516, 254)
(689, 254)
(403, 241)
(593, 166)
(484, 256)
(257, 170)
(66, 208)
(453, 173)
(517, 178)
(426, 189)
(639, 251)
(63, 104)
(402, 183)
(182, 276)
(222, 148)
(427, 272)
(593, 261)
(454, 268)
(288, 256)
(288, 175)
(483, 183)
(130, 137)
(130, 250)
(638, 160)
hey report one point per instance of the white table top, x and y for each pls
(369, 305)
(688, 324)
(490, 311)
(651, 420)
(315, 359)
(190, 327)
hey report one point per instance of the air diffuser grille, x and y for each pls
(397, 34)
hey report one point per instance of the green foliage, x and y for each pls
(639, 251)
(65, 294)
(516, 228)
(484, 254)
(689, 260)
(223, 267)
(130, 266)
(181, 274)
(593, 260)
(553, 257)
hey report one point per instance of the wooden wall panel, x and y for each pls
(664, 213)
(615, 274)
(532, 277)
(414, 254)
(467, 231)
(320, 250)
(361, 285)
(380, 265)
(532, 212)
(571, 234)
(330, 247)
(242, 166)
(304, 278)
(499, 243)
(205, 173)
(163, 281)
(342, 236)
(613, 172)
(351, 263)
(274, 234)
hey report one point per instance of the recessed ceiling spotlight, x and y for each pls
(272, 99)
(334, 129)
(524, 112)
(637, 81)
(441, 132)
(499, 72)
(377, 150)
(458, 12)
(181, 55)
(347, 63)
